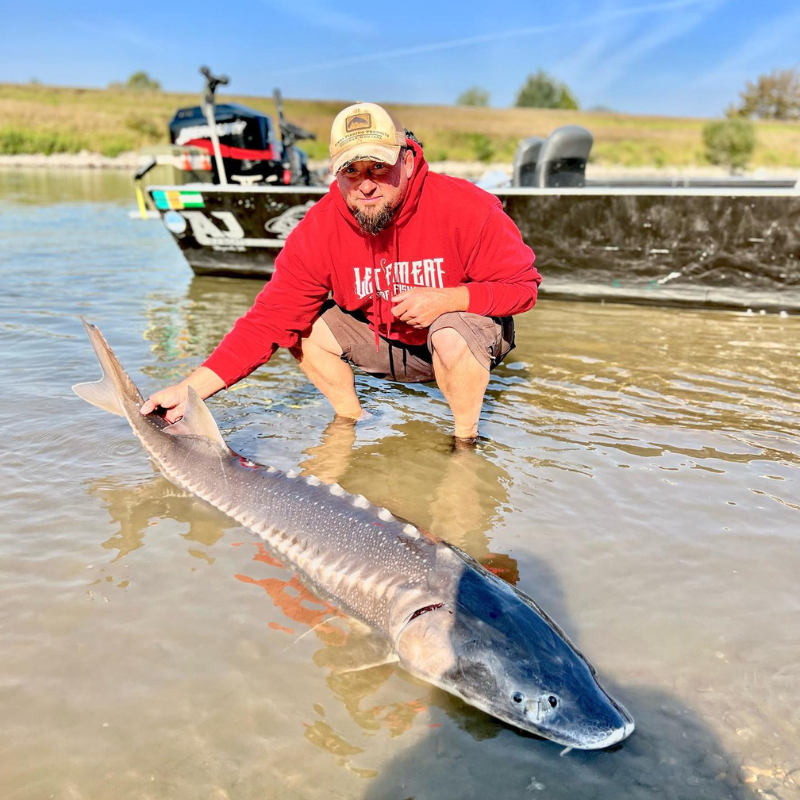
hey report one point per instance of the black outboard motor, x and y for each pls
(524, 164)
(562, 158)
(248, 144)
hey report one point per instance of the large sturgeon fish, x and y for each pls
(446, 619)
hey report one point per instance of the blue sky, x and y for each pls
(674, 57)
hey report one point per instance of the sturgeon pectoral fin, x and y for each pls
(392, 658)
(197, 421)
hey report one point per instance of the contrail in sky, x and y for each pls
(452, 44)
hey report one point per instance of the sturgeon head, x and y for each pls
(491, 645)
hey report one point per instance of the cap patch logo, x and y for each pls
(358, 122)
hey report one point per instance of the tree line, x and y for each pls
(729, 142)
(540, 90)
(773, 96)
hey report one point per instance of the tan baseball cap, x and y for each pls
(365, 131)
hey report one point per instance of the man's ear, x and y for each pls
(408, 162)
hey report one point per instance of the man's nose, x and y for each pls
(368, 186)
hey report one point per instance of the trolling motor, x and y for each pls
(209, 110)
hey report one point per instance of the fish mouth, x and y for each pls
(616, 736)
(611, 738)
(601, 739)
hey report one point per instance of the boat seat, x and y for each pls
(562, 158)
(524, 164)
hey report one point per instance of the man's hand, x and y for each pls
(420, 307)
(173, 398)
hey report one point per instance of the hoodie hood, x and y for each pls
(384, 248)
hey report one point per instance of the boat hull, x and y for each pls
(638, 238)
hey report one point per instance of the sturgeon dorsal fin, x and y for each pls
(197, 421)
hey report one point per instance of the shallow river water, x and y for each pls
(638, 477)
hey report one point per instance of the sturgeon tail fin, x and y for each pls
(115, 392)
(103, 393)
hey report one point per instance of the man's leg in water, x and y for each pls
(320, 357)
(462, 379)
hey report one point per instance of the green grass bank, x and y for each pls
(45, 120)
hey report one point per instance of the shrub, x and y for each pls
(114, 145)
(139, 82)
(145, 127)
(474, 96)
(483, 147)
(773, 96)
(16, 141)
(543, 91)
(729, 142)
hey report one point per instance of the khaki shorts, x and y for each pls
(489, 339)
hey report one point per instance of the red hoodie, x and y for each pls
(446, 233)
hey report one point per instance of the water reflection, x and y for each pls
(135, 508)
(42, 187)
(464, 502)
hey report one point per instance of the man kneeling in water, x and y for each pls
(425, 270)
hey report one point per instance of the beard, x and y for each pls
(374, 221)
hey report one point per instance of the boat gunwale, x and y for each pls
(589, 191)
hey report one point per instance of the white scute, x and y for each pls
(337, 490)
(359, 501)
(385, 515)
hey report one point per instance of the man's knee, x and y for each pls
(318, 337)
(450, 346)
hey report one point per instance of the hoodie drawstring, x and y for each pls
(377, 300)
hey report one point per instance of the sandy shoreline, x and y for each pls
(461, 169)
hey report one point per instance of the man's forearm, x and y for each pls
(460, 298)
(204, 381)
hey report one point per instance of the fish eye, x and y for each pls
(517, 697)
(553, 700)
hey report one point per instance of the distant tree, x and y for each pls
(729, 142)
(543, 91)
(142, 81)
(474, 96)
(773, 96)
